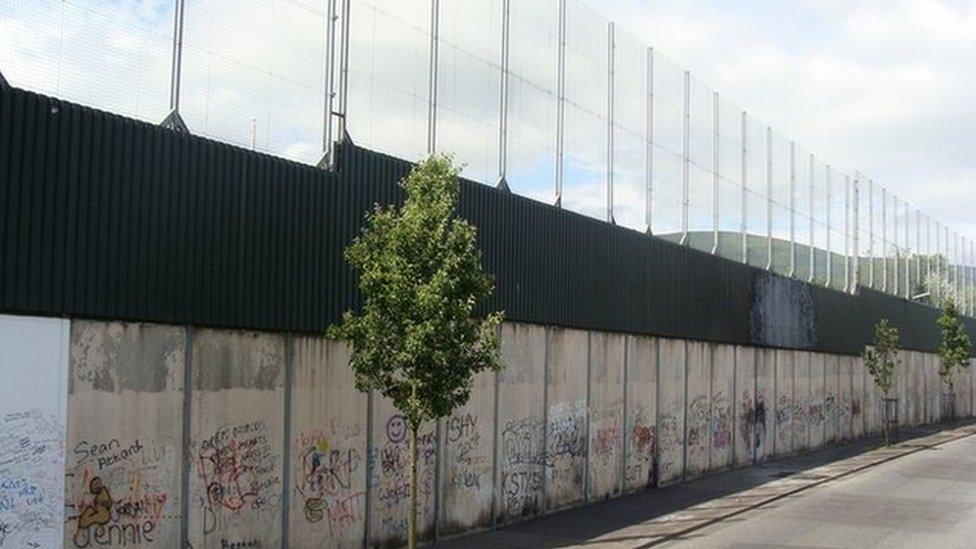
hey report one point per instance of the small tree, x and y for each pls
(956, 347)
(415, 340)
(880, 361)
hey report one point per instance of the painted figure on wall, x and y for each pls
(100, 510)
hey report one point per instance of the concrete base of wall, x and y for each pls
(217, 438)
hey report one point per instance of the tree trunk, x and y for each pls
(412, 511)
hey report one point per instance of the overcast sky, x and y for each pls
(879, 86)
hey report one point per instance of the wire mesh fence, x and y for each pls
(549, 99)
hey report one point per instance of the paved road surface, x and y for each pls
(920, 493)
(927, 499)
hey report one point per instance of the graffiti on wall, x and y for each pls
(784, 422)
(30, 477)
(721, 422)
(326, 484)
(238, 467)
(388, 474)
(639, 469)
(670, 440)
(118, 491)
(469, 458)
(699, 420)
(523, 464)
(566, 445)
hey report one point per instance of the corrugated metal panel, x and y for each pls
(101, 216)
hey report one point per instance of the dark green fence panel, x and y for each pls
(105, 217)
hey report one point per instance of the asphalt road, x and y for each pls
(919, 493)
(926, 499)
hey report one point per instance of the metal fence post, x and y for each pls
(847, 233)
(855, 234)
(918, 249)
(327, 160)
(502, 182)
(908, 262)
(610, 90)
(810, 232)
(560, 103)
(745, 188)
(871, 233)
(928, 255)
(686, 160)
(173, 120)
(343, 92)
(884, 239)
(769, 198)
(830, 260)
(432, 73)
(792, 209)
(715, 169)
(894, 239)
(649, 146)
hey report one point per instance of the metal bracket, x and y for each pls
(502, 185)
(329, 159)
(3, 82)
(174, 121)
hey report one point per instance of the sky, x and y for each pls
(881, 87)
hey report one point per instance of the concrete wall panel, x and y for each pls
(698, 412)
(816, 402)
(328, 447)
(765, 404)
(606, 415)
(723, 396)
(467, 482)
(34, 362)
(785, 404)
(803, 367)
(388, 476)
(566, 436)
(845, 400)
(933, 388)
(236, 439)
(641, 413)
(125, 442)
(672, 364)
(521, 422)
(859, 403)
(744, 439)
(832, 383)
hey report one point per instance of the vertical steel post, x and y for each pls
(972, 299)
(918, 249)
(928, 255)
(432, 72)
(560, 103)
(830, 261)
(884, 239)
(745, 188)
(327, 160)
(686, 160)
(955, 269)
(343, 92)
(174, 120)
(810, 224)
(715, 169)
(649, 146)
(871, 233)
(908, 262)
(894, 239)
(855, 234)
(769, 198)
(610, 78)
(503, 100)
(792, 209)
(847, 233)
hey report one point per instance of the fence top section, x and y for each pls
(105, 217)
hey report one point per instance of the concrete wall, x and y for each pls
(224, 437)
(34, 362)
(125, 434)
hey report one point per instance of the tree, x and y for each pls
(956, 347)
(415, 340)
(880, 361)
